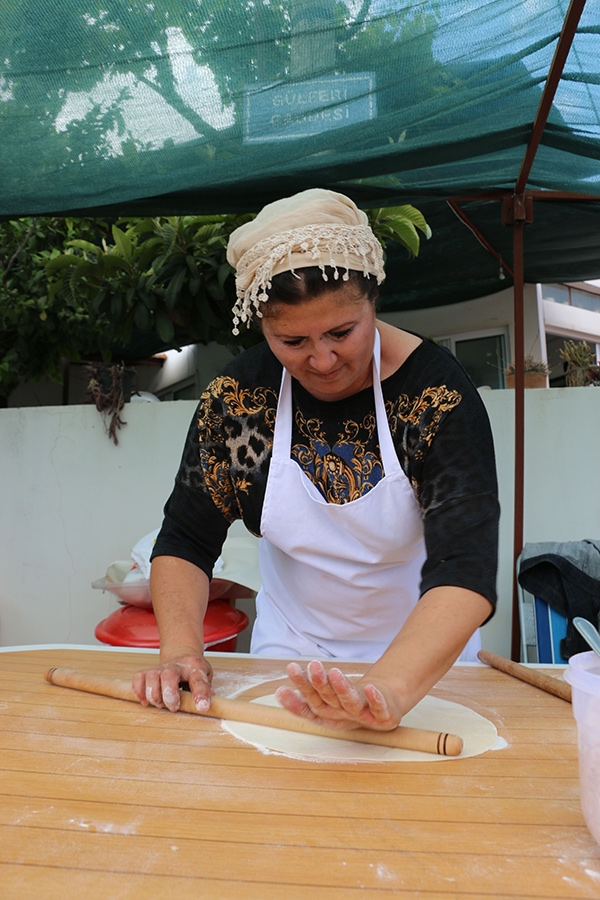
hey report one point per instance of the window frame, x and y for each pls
(503, 332)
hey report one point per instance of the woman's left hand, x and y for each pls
(330, 699)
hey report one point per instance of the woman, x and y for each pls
(363, 457)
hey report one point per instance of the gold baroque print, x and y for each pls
(209, 419)
(219, 486)
(425, 411)
(312, 429)
(242, 401)
(341, 481)
(342, 471)
(352, 429)
(309, 428)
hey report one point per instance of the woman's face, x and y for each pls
(326, 343)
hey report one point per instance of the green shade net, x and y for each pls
(164, 107)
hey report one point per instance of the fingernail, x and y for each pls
(171, 698)
(202, 704)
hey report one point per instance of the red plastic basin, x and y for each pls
(135, 626)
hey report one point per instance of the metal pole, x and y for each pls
(519, 486)
(517, 213)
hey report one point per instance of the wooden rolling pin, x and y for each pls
(273, 717)
(524, 673)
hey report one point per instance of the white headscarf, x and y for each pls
(312, 228)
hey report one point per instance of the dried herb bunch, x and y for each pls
(109, 388)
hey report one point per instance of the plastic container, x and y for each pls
(583, 674)
(137, 592)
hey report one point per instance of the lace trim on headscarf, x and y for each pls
(326, 245)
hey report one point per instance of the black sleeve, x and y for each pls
(225, 462)
(457, 489)
(194, 528)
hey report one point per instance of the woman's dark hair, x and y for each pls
(308, 283)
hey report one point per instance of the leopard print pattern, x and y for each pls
(235, 433)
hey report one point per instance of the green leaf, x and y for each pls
(164, 327)
(400, 224)
(141, 226)
(114, 267)
(174, 288)
(225, 270)
(123, 244)
(87, 246)
(148, 251)
(116, 306)
(411, 214)
(65, 261)
(405, 233)
(141, 317)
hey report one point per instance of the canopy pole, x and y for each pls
(517, 213)
(563, 47)
(519, 485)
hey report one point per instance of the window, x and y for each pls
(556, 293)
(570, 296)
(583, 300)
(483, 355)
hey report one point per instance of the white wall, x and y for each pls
(72, 502)
(562, 502)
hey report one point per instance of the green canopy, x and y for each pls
(216, 106)
(478, 113)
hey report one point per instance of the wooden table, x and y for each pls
(101, 798)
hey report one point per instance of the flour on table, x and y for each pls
(234, 683)
(432, 713)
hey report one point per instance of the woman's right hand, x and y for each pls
(159, 686)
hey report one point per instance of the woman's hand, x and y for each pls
(330, 699)
(160, 686)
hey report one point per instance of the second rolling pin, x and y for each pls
(525, 673)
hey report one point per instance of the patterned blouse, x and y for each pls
(439, 427)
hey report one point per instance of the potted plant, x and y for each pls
(581, 364)
(536, 373)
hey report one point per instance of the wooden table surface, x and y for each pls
(101, 798)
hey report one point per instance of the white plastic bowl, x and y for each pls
(583, 674)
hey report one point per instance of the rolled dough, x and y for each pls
(477, 732)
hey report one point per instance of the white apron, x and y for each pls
(338, 580)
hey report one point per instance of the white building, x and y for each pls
(480, 332)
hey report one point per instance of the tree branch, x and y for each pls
(19, 249)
